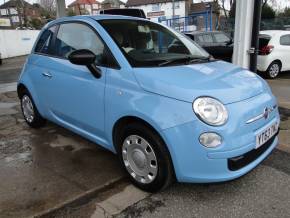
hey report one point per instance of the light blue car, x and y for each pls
(152, 96)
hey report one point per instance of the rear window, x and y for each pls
(264, 40)
(285, 40)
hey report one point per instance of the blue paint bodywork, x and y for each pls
(162, 97)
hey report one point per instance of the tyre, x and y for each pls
(30, 112)
(273, 70)
(145, 158)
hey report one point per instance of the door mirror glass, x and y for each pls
(82, 57)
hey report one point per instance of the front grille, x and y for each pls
(241, 161)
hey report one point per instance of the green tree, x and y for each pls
(36, 23)
(285, 13)
(268, 12)
(70, 12)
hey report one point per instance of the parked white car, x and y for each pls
(274, 52)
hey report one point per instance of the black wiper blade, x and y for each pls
(188, 60)
(200, 59)
(171, 61)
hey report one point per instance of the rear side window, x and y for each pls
(43, 45)
(75, 36)
(285, 40)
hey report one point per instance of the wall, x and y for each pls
(166, 8)
(16, 42)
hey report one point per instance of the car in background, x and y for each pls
(216, 43)
(133, 12)
(274, 52)
(0, 59)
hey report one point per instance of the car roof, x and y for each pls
(274, 32)
(202, 32)
(94, 17)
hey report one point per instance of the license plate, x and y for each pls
(266, 134)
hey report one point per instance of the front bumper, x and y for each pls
(195, 163)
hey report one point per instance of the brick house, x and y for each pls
(200, 9)
(80, 7)
(20, 13)
(109, 4)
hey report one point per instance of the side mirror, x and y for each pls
(86, 58)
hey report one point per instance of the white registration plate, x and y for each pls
(266, 134)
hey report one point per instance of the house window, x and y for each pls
(15, 19)
(156, 7)
(176, 5)
(95, 6)
(3, 11)
(13, 11)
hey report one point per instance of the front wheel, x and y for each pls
(273, 70)
(145, 158)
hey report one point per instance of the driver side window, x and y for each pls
(75, 36)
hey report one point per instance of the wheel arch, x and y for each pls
(123, 121)
(278, 61)
(21, 88)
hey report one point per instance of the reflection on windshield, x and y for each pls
(145, 43)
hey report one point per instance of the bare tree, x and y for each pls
(48, 5)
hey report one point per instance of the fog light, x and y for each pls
(210, 139)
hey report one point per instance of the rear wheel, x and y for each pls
(30, 112)
(145, 158)
(273, 70)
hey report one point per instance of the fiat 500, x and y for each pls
(152, 96)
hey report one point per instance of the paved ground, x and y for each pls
(10, 69)
(53, 170)
(42, 169)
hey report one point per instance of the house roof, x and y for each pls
(14, 3)
(146, 2)
(113, 2)
(83, 2)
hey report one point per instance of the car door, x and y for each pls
(74, 97)
(285, 51)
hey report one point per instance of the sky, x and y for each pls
(278, 4)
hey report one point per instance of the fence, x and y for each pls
(203, 21)
(208, 22)
(16, 42)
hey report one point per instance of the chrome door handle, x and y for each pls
(46, 74)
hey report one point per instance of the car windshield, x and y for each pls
(147, 44)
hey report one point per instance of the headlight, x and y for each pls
(210, 111)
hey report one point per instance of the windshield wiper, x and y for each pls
(187, 60)
(171, 61)
(200, 60)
